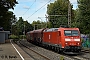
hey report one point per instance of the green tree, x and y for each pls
(83, 16)
(20, 25)
(28, 26)
(5, 15)
(8, 20)
(39, 25)
(15, 30)
(60, 8)
(58, 13)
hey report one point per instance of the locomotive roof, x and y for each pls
(56, 29)
(69, 28)
(51, 29)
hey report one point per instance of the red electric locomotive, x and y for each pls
(65, 39)
(59, 39)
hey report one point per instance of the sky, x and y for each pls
(32, 10)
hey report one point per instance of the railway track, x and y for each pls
(56, 56)
(84, 55)
(32, 53)
(85, 50)
(78, 58)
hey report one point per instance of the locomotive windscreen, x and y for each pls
(71, 33)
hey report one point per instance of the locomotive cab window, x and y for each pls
(71, 33)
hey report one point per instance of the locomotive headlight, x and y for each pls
(78, 43)
(67, 39)
(66, 43)
(76, 39)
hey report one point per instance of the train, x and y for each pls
(60, 39)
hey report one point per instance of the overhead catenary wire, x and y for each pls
(39, 9)
(29, 7)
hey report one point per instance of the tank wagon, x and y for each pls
(59, 39)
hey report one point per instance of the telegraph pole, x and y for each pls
(34, 26)
(69, 14)
(46, 20)
(24, 31)
(41, 22)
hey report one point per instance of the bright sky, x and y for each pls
(30, 10)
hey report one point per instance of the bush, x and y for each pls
(13, 37)
(22, 36)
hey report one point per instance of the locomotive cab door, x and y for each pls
(59, 37)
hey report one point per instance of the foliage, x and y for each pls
(7, 4)
(13, 37)
(21, 27)
(58, 13)
(59, 7)
(38, 24)
(22, 36)
(28, 26)
(83, 16)
(15, 30)
(49, 25)
(6, 17)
